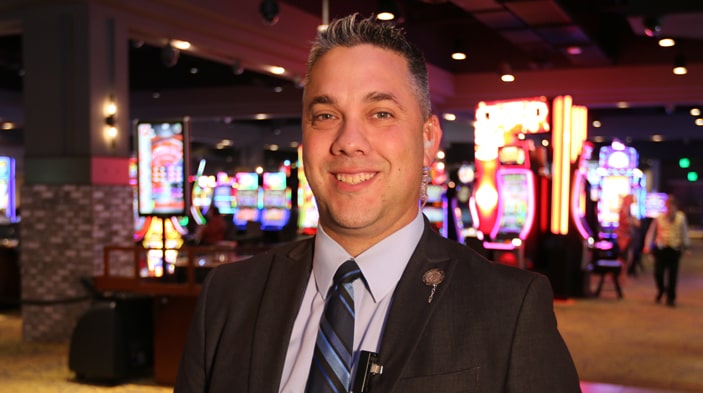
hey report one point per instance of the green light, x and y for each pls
(684, 163)
(692, 176)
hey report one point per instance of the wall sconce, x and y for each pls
(680, 65)
(111, 122)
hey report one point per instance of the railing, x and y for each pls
(124, 268)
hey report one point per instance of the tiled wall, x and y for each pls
(64, 229)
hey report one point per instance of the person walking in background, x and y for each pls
(626, 232)
(667, 238)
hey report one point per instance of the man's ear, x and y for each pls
(432, 137)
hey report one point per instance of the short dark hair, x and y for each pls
(352, 30)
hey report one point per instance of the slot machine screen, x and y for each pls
(161, 168)
(514, 187)
(613, 189)
(224, 199)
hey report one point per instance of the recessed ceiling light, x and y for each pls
(182, 45)
(695, 112)
(449, 116)
(596, 124)
(623, 105)
(667, 42)
(277, 70)
(699, 122)
(657, 138)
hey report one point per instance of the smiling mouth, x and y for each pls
(355, 178)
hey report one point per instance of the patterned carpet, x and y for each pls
(617, 345)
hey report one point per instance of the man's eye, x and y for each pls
(383, 115)
(323, 116)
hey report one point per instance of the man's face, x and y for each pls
(364, 144)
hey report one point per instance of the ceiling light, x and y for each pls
(695, 112)
(622, 105)
(652, 27)
(667, 42)
(680, 66)
(597, 124)
(8, 125)
(449, 116)
(277, 70)
(657, 138)
(459, 52)
(387, 10)
(699, 122)
(506, 73)
(182, 45)
(269, 11)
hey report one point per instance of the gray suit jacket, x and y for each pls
(489, 328)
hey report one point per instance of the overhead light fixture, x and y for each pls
(180, 44)
(169, 55)
(325, 16)
(506, 73)
(698, 122)
(596, 123)
(680, 65)
(459, 53)
(652, 27)
(387, 10)
(269, 11)
(695, 112)
(667, 42)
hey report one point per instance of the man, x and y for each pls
(438, 317)
(668, 233)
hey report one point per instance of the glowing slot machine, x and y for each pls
(247, 199)
(8, 205)
(276, 201)
(618, 176)
(516, 205)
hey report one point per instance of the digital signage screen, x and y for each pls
(161, 168)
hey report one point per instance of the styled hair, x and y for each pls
(353, 30)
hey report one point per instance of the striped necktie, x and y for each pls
(332, 360)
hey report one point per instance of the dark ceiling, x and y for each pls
(527, 34)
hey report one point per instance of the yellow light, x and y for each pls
(182, 45)
(449, 117)
(277, 70)
(667, 42)
(459, 56)
(385, 16)
(507, 78)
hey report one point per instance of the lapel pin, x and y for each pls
(432, 278)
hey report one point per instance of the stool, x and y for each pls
(605, 266)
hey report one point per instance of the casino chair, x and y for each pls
(605, 261)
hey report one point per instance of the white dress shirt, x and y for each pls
(381, 266)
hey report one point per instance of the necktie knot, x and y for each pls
(347, 272)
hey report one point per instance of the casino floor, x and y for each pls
(628, 345)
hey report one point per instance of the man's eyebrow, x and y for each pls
(321, 99)
(377, 96)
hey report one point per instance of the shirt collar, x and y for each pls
(382, 264)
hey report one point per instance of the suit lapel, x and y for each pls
(279, 307)
(410, 311)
